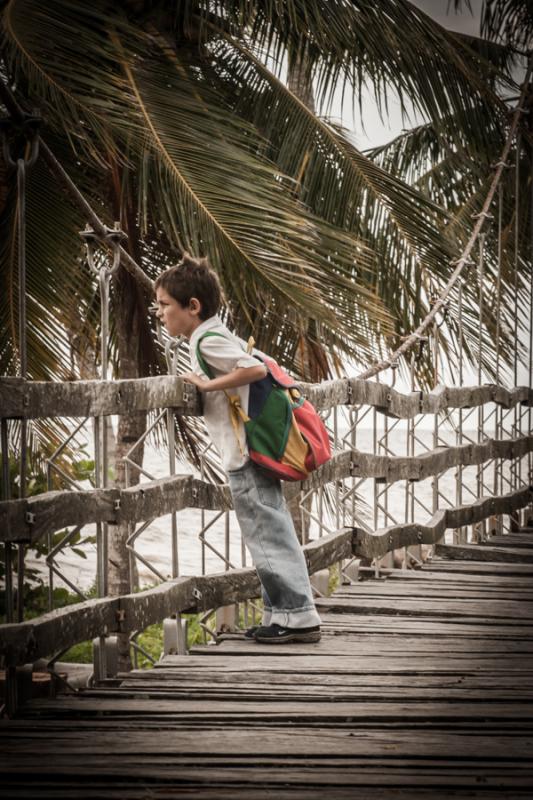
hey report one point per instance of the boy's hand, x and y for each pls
(192, 377)
(241, 376)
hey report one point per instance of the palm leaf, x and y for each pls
(57, 53)
(207, 172)
(395, 49)
(459, 179)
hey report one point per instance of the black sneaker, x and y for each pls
(250, 632)
(274, 634)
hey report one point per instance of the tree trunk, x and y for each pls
(301, 525)
(128, 309)
(299, 83)
(299, 80)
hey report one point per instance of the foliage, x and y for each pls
(183, 110)
(35, 592)
(36, 596)
(507, 21)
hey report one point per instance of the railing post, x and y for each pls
(27, 125)
(478, 529)
(458, 534)
(516, 463)
(105, 658)
(175, 636)
(529, 512)
(113, 237)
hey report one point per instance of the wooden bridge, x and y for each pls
(421, 684)
(421, 687)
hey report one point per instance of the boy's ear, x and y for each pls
(194, 305)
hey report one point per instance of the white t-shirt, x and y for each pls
(223, 355)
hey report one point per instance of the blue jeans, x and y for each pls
(269, 535)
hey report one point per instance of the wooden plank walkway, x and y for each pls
(421, 687)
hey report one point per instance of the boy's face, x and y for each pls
(178, 320)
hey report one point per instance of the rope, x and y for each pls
(414, 337)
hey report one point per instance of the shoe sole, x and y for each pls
(314, 636)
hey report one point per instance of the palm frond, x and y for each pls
(510, 21)
(204, 168)
(394, 48)
(459, 179)
(58, 55)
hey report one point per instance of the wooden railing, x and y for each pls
(25, 521)
(20, 398)
(61, 629)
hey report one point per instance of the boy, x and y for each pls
(189, 297)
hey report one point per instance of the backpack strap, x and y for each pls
(236, 411)
(201, 360)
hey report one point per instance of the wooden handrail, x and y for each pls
(64, 627)
(29, 519)
(378, 543)
(21, 399)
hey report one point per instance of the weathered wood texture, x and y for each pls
(405, 406)
(414, 468)
(28, 519)
(58, 630)
(372, 544)
(190, 594)
(474, 552)
(37, 399)
(389, 704)
(43, 636)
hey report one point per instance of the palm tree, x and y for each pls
(176, 119)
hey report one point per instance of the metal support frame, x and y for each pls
(105, 269)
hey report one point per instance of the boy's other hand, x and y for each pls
(241, 376)
(192, 377)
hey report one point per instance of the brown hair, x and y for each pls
(193, 277)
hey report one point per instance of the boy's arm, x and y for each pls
(241, 376)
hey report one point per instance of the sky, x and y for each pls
(376, 132)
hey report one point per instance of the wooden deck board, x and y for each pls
(421, 686)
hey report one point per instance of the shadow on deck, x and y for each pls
(420, 687)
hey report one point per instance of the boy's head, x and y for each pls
(187, 294)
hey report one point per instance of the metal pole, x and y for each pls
(337, 489)
(21, 187)
(50, 543)
(23, 356)
(28, 127)
(530, 365)
(8, 550)
(100, 564)
(458, 534)
(113, 237)
(516, 463)
(375, 484)
(436, 416)
(480, 527)
(498, 418)
(171, 353)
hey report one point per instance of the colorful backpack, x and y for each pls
(284, 434)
